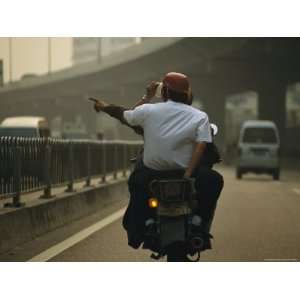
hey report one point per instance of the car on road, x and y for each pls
(258, 149)
(25, 127)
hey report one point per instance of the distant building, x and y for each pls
(88, 49)
(239, 108)
(293, 106)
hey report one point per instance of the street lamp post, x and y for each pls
(10, 58)
(49, 55)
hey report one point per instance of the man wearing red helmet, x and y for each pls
(175, 138)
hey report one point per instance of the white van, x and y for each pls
(25, 127)
(258, 149)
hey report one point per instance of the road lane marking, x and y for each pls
(76, 238)
(297, 191)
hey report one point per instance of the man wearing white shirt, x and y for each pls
(171, 132)
(175, 138)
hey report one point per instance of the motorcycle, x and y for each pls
(174, 229)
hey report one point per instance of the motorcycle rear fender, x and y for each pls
(172, 230)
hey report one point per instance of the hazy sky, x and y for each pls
(30, 55)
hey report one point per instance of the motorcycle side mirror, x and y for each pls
(214, 129)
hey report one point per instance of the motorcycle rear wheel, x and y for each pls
(176, 253)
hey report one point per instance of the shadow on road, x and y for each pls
(257, 178)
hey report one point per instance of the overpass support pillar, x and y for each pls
(214, 106)
(272, 105)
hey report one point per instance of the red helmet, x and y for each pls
(177, 82)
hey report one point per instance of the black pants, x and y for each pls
(208, 184)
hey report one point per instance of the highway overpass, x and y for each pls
(217, 67)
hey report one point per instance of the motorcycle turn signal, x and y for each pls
(153, 203)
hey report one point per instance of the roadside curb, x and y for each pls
(21, 225)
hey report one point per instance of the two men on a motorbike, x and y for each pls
(177, 138)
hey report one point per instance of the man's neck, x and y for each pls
(170, 100)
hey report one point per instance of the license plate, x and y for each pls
(173, 211)
(259, 152)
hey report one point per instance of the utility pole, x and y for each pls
(1, 73)
(10, 59)
(49, 55)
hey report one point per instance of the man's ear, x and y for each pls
(164, 93)
(190, 96)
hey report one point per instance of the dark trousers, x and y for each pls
(208, 184)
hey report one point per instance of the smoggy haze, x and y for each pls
(30, 55)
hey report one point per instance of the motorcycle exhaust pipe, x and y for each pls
(197, 243)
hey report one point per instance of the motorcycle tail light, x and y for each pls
(196, 220)
(153, 203)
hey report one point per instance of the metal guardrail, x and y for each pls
(33, 164)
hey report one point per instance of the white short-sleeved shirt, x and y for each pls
(171, 130)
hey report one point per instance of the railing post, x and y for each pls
(115, 157)
(70, 187)
(47, 173)
(88, 162)
(103, 180)
(16, 178)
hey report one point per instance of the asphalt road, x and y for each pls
(257, 219)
